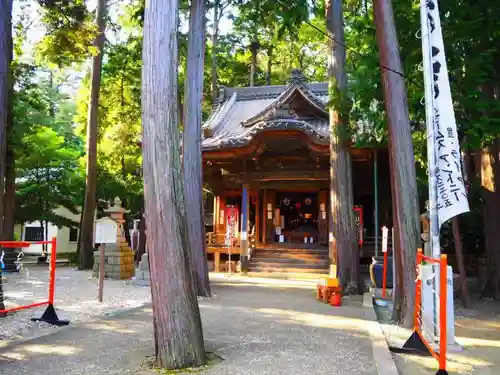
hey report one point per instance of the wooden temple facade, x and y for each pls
(266, 160)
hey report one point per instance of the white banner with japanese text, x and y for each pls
(451, 197)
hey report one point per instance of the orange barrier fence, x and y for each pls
(417, 342)
(50, 315)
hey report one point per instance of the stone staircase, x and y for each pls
(286, 259)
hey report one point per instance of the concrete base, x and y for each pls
(142, 276)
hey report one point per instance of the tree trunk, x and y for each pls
(178, 330)
(343, 247)
(464, 290)
(490, 182)
(215, 35)
(404, 196)
(269, 65)
(5, 91)
(86, 245)
(10, 196)
(191, 157)
(254, 48)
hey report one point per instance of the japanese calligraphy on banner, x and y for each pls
(445, 161)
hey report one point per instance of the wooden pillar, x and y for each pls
(264, 217)
(215, 214)
(221, 224)
(323, 220)
(257, 218)
(244, 222)
(270, 203)
(216, 261)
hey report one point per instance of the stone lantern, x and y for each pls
(118, 257)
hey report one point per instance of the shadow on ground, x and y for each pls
(256, 329)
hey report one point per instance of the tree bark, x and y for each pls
(490, 182)
(405, 196)
(10, 196)
(215, 36)
(178, 331)
(6, 83)
(464, 290)
(86, 244)
(269, 65)
(191, 158)
(343, 247)
(254, 48)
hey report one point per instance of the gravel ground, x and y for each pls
(75, 297)
(477, 332)
(264, 329)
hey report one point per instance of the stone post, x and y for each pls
(424, 219)
(118, 257)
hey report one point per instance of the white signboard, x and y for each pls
(106, 230)
(385, 235)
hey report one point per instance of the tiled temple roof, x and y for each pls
(242, 113)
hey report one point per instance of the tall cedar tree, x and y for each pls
(176, 315)
(5, 98)
(191, 150)
(86, 240)
(343, 247)
(402, 162)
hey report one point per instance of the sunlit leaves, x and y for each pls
(70, 32)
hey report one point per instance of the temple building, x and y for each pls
(266, 161)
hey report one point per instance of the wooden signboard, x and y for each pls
(106, 230)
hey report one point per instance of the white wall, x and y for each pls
(61, 234)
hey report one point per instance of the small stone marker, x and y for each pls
(142, 277)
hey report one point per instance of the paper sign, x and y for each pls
(269, 206)
(221, 217)
(385, 235)
(278, 231)
(270, 215)
(106, 230)
(323, 215)
(322, 207)
(282, 238)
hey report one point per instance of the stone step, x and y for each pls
(279, 263)
(258, 259)
(297, 270)
(304, 257)
(294, 250)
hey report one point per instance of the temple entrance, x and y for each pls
(297, 221)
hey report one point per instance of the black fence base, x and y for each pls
(442, 372)
(50, 317)
(414, 345)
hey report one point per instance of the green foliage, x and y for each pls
(46, 179)
(119, 152)
(46, 150)
(70, 32)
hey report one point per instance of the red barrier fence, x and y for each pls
(418, 342)
(50, 315)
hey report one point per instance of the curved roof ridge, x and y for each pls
(215, 120)
(288, 124)
(283, 97)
